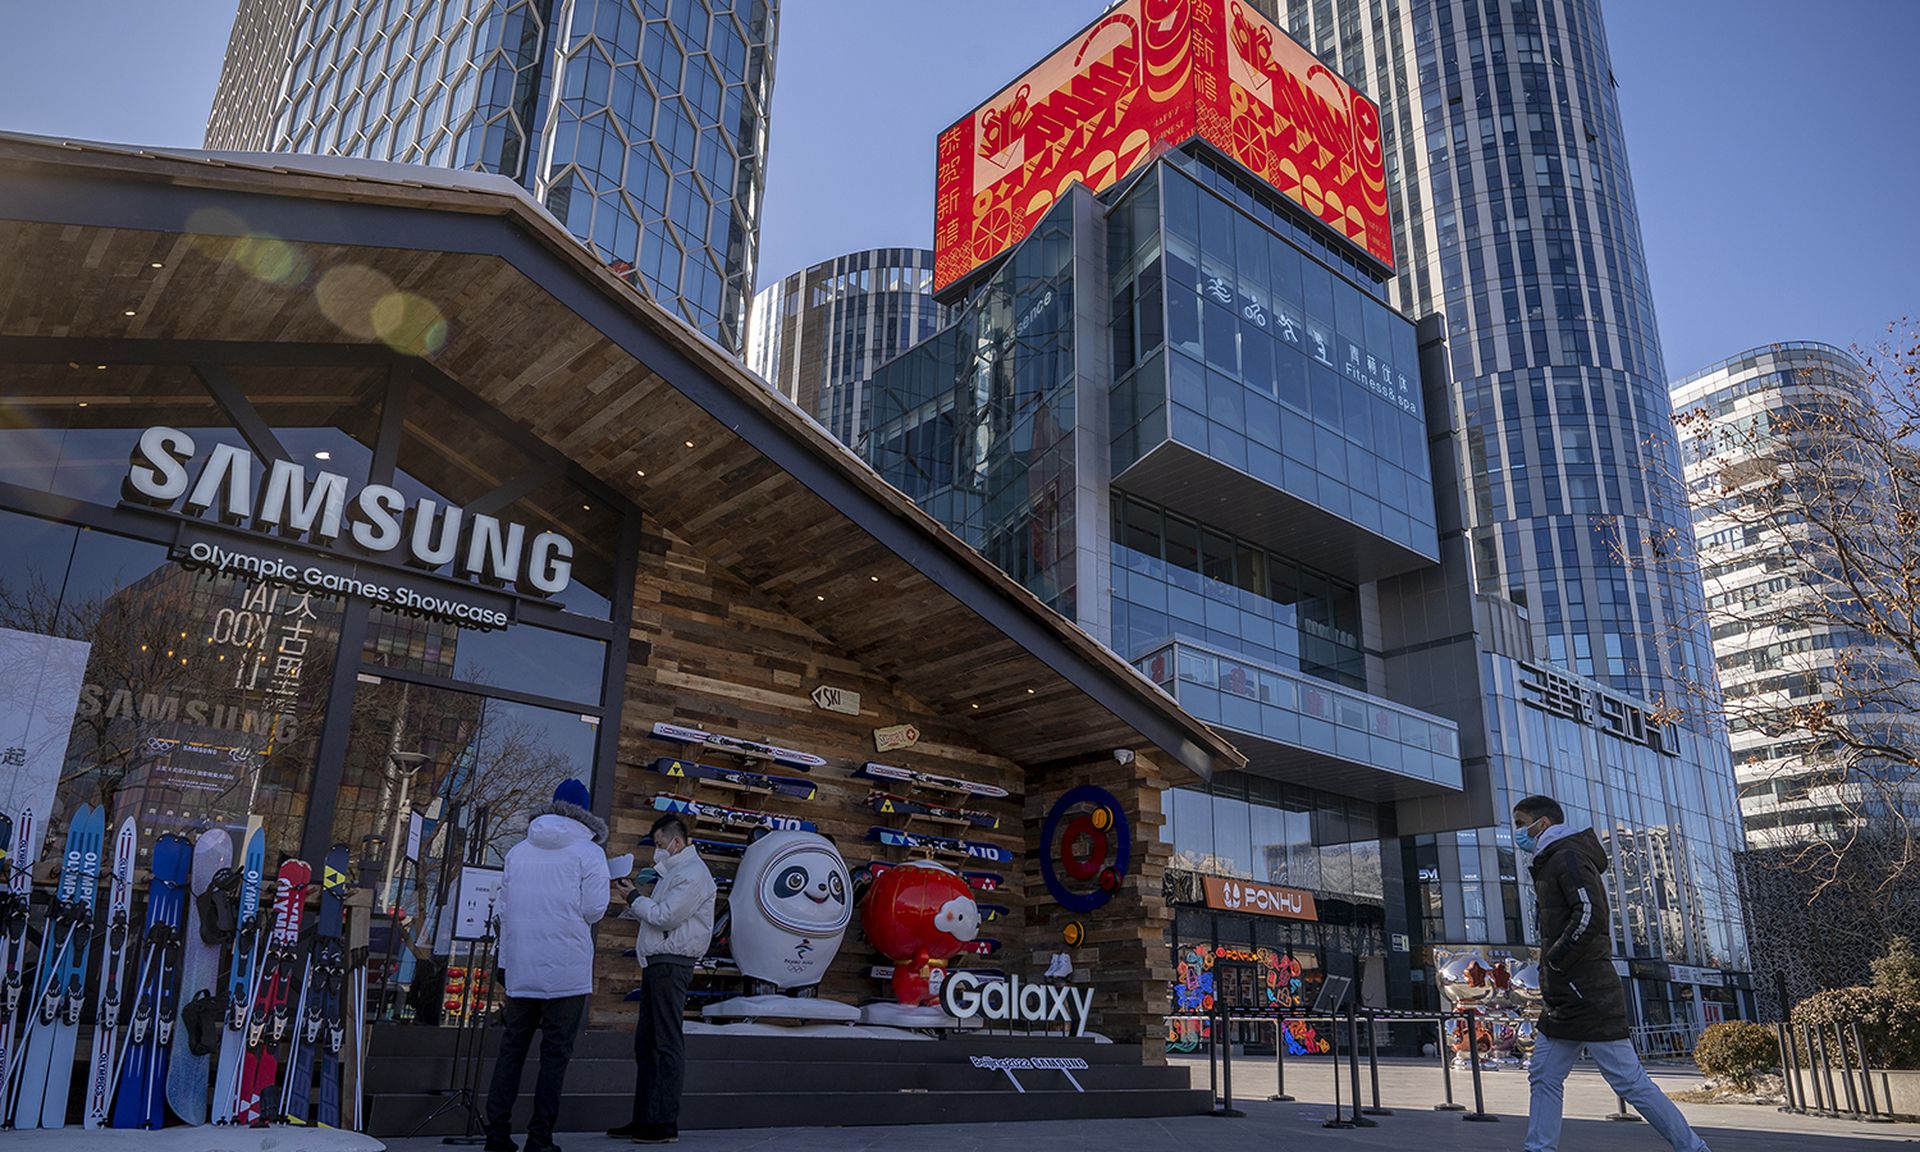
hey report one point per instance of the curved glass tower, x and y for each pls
(640, 124)
(817, 335)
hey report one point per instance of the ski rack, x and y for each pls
(885, 972)
(940, 846)
(892, 804)
(748, 750)
(737, 781)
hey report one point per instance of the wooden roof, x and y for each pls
(539, 330)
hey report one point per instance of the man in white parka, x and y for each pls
(555, 889)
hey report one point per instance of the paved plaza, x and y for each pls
(1409, 1088)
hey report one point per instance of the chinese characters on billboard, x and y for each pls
(1147, 75)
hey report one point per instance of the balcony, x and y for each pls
(1303, 730)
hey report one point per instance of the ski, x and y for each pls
(113, 975)
(247, 937)
(751, 749)
(888, 804)
(736, 818)
(140, 1100)
(873, 770)
(941, 845)
(330, 974)
(269, 1021)
(14, 905)
(980, 946)
(978, 881)
(66, 942)
(751, 781)
(188, 1072)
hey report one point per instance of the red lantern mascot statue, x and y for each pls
(919, 915)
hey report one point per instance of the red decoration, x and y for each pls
(919, 915)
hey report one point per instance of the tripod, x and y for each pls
(469, 1045)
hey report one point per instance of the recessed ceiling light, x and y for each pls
(819, 597)
(1029, 691)
(875, 579)
(130, 312)
(639, 471)
(689, 443)
(100, 367)
(156, 264)
(976, 705)
(586, 507)
(323, 455)
(83, 403)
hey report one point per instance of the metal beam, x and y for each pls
(241, 411)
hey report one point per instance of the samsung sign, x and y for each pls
(320, 510)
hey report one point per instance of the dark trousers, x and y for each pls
(659, 1046)
(559, 1024)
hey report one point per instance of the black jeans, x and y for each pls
(559, 1025)
(659, 1046)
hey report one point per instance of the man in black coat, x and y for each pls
(1586, 1004)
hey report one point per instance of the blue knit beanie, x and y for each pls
(573, 792)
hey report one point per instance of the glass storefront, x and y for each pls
(192, 693)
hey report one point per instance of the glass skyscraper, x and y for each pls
(817, 334)
(640, 124)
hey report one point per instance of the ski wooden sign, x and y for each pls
(747, 749)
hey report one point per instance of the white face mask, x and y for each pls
(661, 856)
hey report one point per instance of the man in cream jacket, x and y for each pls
(676, 925)
(552, 892)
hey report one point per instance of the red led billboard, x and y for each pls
(1146, 75)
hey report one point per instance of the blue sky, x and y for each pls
(1775, 145)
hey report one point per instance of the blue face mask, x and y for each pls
(1525, 840)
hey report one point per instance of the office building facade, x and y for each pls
(1777, 649)
(817, 334)
(1186, 416)
(640, 124)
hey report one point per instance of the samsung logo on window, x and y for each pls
(379, 519)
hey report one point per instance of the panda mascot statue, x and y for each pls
(791, 903)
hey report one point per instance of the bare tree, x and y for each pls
(1808, 509)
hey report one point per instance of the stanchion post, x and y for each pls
(1333, 1033)
(1446, 1070)
(1620, 1112)
(1479, 1115)
(1373, 1066)
(1213, 1058)
(1846, 1072)
(1813, 1074)
(1226, 1067)
(1353, 1065)
(1866, 1081)
(1280, 1061)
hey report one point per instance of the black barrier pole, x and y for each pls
(1280, 1061)
(1813, 1073)
(1226, 1068)
(1373, 1067)
(1846, 1072)
(1826, 1071)
(1333, 1034)
(1213, 1056)
(1353, 1064)
(1789, 1069)
(1620, 1112)
(1479, 1113)
(1446, 1071)
(1866, 1081)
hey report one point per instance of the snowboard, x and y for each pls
(873, 770)
(945, 845)
(978, 881)
(188, 1074)
(16, 886)
(793, 786)
(751, 749)
(888, 804)
(726, 817)
(113, 977)
(53, 1032)
(330, 971)
(140, 1098)
(269, 1021)
(242, 967)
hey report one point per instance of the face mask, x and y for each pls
(1525, 840)
(661, 856)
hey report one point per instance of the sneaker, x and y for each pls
(628, 1131)
(657, 1134)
